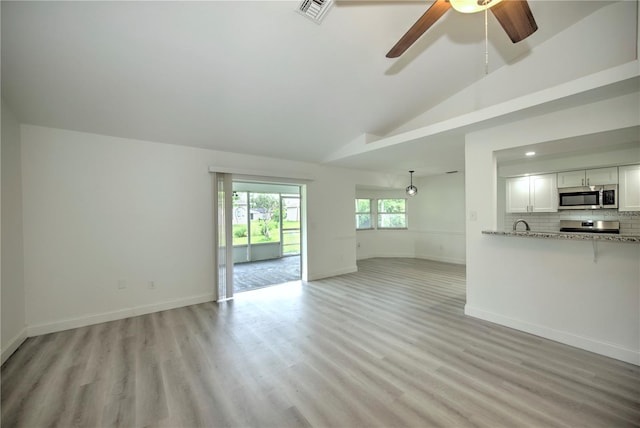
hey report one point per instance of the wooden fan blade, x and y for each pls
(516, 18)
(437, 9)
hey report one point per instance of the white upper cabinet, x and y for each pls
(589, 177)
(629, 188)
(602, 176)
(571, 178)
(537, 193)
(518, 195)
(543, 193)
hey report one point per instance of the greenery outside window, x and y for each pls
(258, 213)
(392, 214)
(363, 214)
(240, 213)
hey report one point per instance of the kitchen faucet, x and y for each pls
(521, 220)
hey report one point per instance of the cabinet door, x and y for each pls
(518, 195)
(602, 176)
(629, 188)
(571, 179)
(543, 193)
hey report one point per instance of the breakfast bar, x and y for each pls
(574, 236)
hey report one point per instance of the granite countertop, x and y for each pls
(575, 236)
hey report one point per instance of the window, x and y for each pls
(392, 214)
(381, 214)
(363, 214)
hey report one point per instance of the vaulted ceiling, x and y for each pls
(256, 77)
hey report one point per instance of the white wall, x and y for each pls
(13, 294)
(551, 288)
(441, 232)
(98, 210)
(435, 222)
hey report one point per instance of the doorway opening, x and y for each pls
(266, 226)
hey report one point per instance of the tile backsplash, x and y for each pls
(550, 222)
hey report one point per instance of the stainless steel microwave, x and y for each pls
(588, 197)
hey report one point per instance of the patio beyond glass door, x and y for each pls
(290, 224)
(266, 234)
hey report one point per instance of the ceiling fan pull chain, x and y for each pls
(486, 41)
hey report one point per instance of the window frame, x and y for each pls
(375, 214)
(379, 214)
(370, 213)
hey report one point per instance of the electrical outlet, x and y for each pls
(122, 284)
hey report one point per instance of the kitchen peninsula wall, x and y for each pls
(550, 222)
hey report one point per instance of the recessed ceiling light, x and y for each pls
(530, 154)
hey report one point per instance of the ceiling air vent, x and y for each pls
(315, 10)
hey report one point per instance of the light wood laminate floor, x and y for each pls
(387, 346)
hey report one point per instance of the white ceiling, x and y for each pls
(253, 77)
(591, 143)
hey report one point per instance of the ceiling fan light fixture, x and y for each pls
(411, 189)
(472, 6)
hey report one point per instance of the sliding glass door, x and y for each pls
(257, 225)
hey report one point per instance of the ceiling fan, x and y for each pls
(513, 15)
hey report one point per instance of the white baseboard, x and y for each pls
(316, 276)
(52, 327)
(417, 256)
(13, 344)
(588, 344)
(451, 260)
(387, 256)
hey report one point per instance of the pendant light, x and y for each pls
(411, 189)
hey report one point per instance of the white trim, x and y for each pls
(602, 348)
(37, 330)
(452, 260)
(255, 174)
(14, 344)
(393, 255)
(322, 275)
